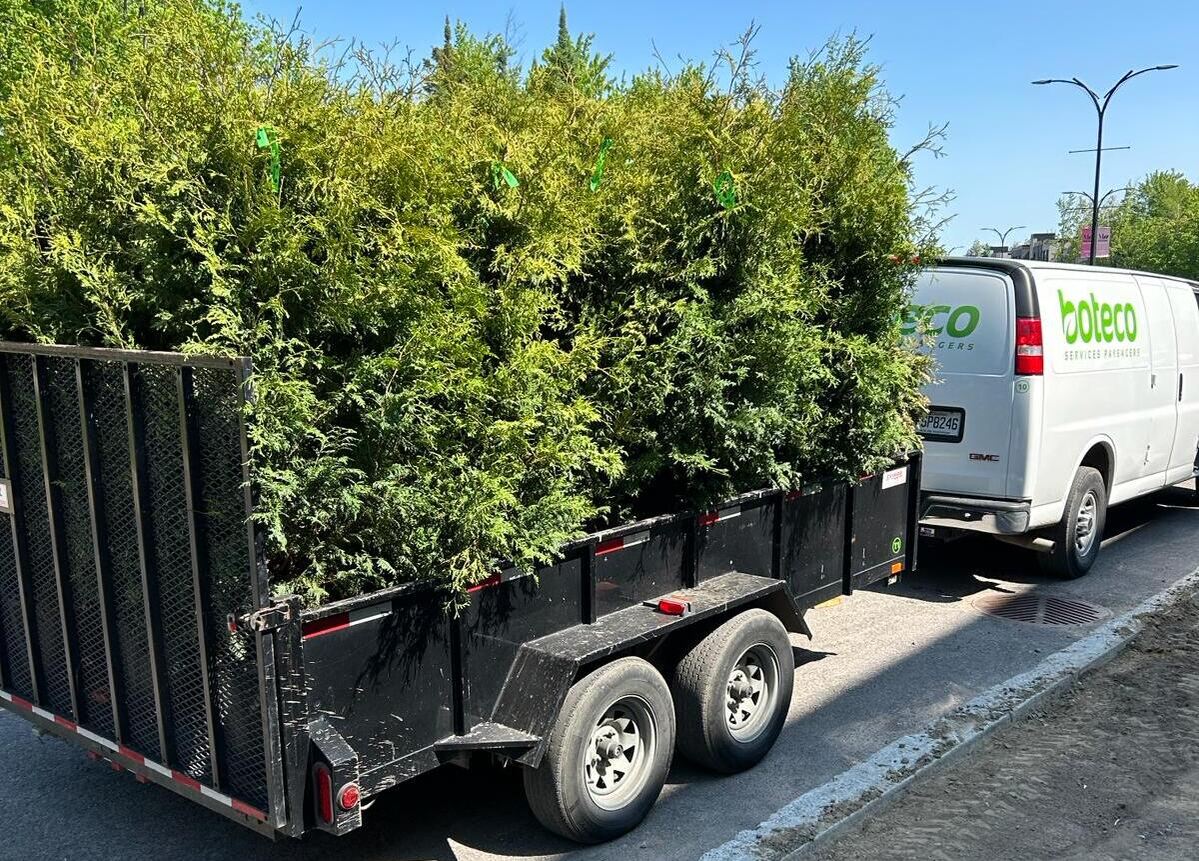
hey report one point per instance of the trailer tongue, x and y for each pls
(136, 619)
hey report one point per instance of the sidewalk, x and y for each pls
(1108, 771)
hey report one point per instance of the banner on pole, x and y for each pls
(1104, 249)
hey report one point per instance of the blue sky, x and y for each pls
(963, 63)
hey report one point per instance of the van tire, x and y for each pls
(1087, 502)
(752, 650)
(563, 792)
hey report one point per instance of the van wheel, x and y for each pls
(608, 754)
(732, 691)
(1076, 539)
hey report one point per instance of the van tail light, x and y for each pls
(1030, 350)
(323, 784)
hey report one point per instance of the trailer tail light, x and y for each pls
(348, 797)
(1030, 350)
(323, 783)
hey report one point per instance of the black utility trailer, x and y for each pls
(137, 621)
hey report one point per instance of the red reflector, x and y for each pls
(349, 796)
(1030, 350)
(327, 625)
(242, 807)
(673, 607)
(493, 580)
(610, 546)
(324, 793)
(709, 518)
(180, 777)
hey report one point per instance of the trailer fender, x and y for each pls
(546, 668)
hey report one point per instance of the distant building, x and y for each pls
(1041, 246)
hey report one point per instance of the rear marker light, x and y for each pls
(349, 796)
(674, 607)
(324, 793)
(1030, 349)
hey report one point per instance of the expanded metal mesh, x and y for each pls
(220, 489)
(132, 594)
(14, 661)
(170, 561)
(95, 702)
(105, 384)
(27, 470)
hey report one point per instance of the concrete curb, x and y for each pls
(823, 813)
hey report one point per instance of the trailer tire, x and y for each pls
(577, 791)
(1077, 537)
(751, 652)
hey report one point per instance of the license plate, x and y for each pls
(943, 424)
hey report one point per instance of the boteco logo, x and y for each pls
(1097, 321)
(959, 322)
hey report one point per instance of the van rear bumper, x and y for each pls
(996, 516)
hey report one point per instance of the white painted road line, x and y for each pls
(841, 803)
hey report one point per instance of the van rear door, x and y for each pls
(1185, 303)
(965, 317)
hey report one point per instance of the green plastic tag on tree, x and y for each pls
(501, 176)
(597, 174)
(266, 137)
(726, 190)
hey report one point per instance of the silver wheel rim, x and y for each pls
(1084, 523)
(620, 753)
(752, 692)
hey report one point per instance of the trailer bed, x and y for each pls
(136, 619)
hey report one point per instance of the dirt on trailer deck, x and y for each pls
(1109, 770)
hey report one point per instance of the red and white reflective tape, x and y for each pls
(613, 544)
(505, 576)
(719, 516)
(177, 777)
(341, 621)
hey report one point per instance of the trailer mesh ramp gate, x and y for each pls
(127, 546)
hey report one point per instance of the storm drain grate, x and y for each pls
(1041, 609)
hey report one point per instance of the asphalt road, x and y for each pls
(882, 664)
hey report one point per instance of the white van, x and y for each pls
(1060, 390)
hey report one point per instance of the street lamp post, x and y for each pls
(1003, 234)
(1101, 110)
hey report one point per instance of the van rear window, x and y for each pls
(963, 319)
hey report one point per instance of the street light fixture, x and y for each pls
(1106, 194)
(1101, 109)
(1003, 234)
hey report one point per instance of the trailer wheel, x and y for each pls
(732, 692)
(1076, 538)
(608, 754)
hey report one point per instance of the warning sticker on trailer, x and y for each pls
(895, 477)
(4, 504)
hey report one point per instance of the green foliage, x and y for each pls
(1155, 226)
(451, 371)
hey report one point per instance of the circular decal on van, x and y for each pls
(896, 544)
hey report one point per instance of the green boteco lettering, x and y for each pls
(1094, 321)
(957, 322)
